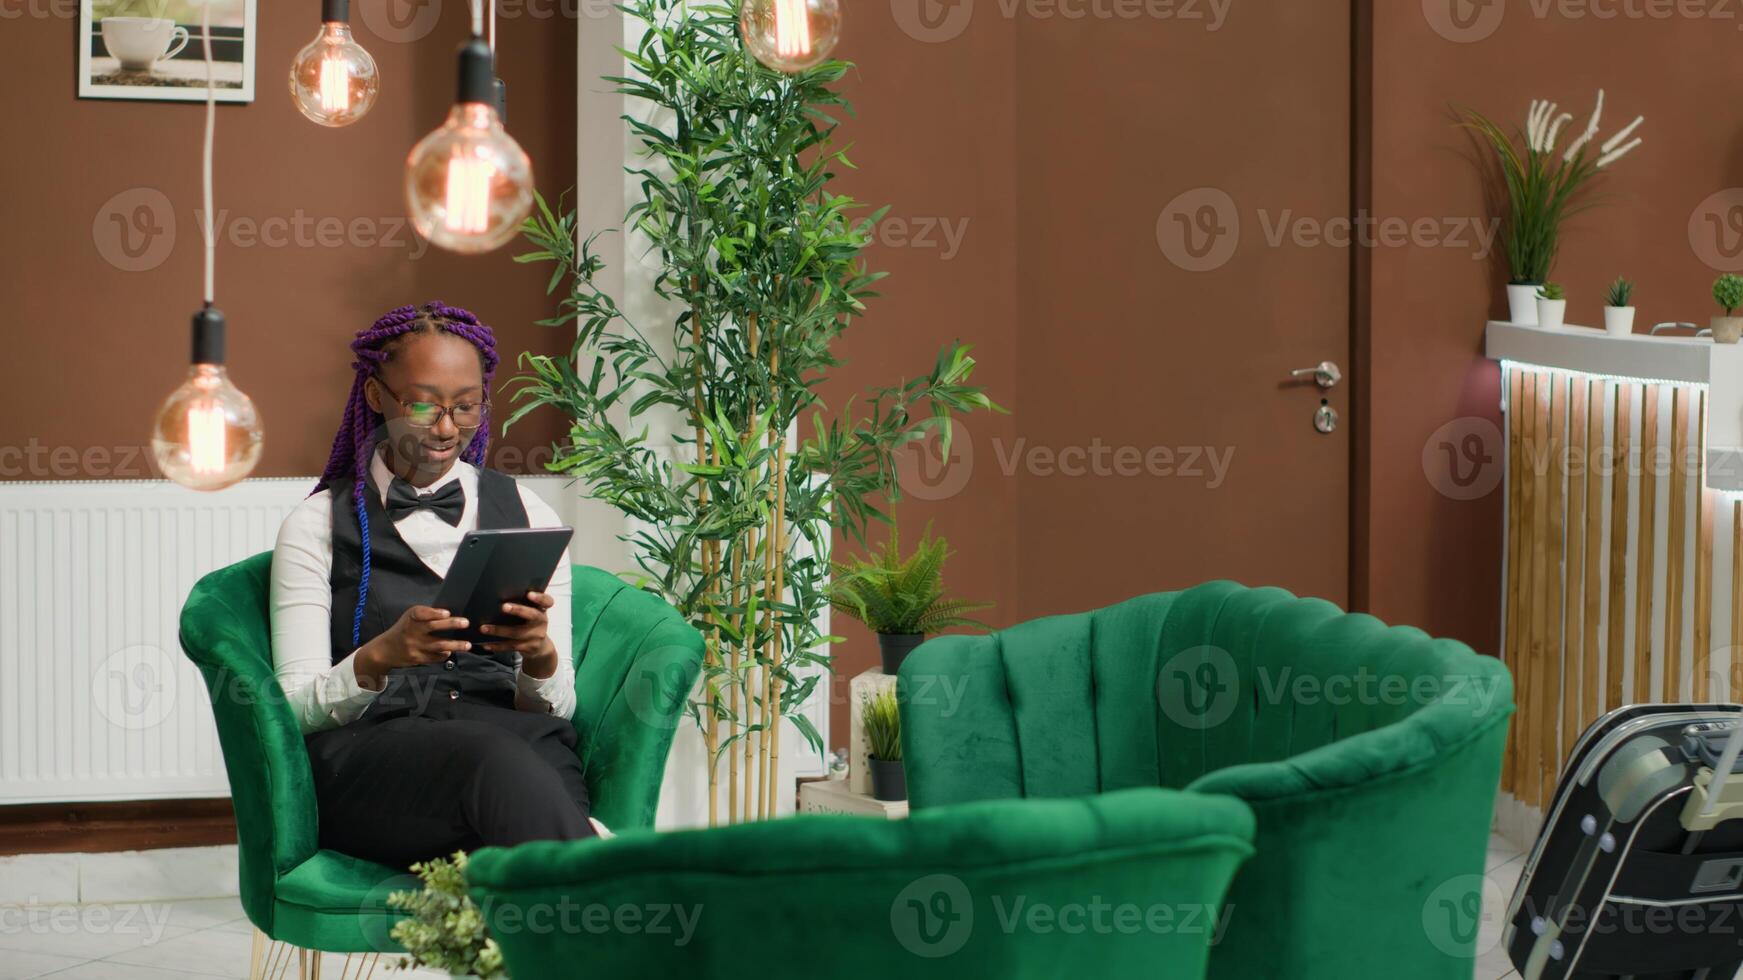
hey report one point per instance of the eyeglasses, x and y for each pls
(425, 415)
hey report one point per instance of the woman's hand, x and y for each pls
(408, 643)
(538, 653)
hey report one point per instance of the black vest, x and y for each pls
(398, 580)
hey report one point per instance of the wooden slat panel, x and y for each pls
(1703, 638)
(1621, 441)
(1574, 595)
(1736, 599)
(1542, 606)
(1515, 537)
(1553, 597)
(1594, 586)
(1647, 528)
(1674, 553)
(1530, 529)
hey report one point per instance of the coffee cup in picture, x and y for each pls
(141, 42)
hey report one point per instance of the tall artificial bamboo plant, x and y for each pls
(759, 263)
(1544, 187)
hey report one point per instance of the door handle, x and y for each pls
(1325, 374)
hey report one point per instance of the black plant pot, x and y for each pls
(889, 780)
(895, 647)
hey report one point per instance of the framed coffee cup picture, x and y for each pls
(154, 49)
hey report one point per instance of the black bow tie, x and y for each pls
(447, 503)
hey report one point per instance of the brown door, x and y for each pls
(1183, 246)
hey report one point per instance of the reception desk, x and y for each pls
(1623, 526)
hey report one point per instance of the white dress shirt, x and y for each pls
(324, 694)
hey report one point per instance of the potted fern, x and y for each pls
(1551, 305)
(1728, 291)
(1619, 309)
(902, 600)
(882, 722)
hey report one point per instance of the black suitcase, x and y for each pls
(1638, 871)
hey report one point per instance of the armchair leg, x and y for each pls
(271, 959)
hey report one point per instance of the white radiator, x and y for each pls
(97, 701)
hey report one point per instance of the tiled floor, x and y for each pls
(210, 937)
(198, 938)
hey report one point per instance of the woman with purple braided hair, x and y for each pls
(421, 744)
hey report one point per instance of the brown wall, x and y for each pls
(1435, 559)
(110, 344)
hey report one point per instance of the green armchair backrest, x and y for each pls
(1124, 885)
(1370, 755)
(636, 660)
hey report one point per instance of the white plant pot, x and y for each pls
(1522, 303)
(1619, 320)
(1551, 312)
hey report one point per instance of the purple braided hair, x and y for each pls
(360, 425)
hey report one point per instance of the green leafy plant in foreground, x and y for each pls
(445, 930)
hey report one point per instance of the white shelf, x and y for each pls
(1666, 358)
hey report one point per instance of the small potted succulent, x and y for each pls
(1728, 291)
(445, 929)
(1619, 308)
(901, 600)
(882, 721)
(1551, 305)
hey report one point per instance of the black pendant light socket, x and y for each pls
(209, 336)
(477, 73)
(336, 11)
(500, 100)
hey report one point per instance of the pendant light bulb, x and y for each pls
(790, 35)
(333, 81)
(207, 435)
(469, 185)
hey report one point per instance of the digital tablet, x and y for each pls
(494, 567)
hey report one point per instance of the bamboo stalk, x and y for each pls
(1573, 596)
(711, 642)
(1515, 493)
(736, 721)
(1703, 662)
(1622, 436)
(771, 564)
(779, 637)
(1594, 586)
(1671, 688)
(1644, 542)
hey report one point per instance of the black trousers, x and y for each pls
(456, 775)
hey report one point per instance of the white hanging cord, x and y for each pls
(211, 127)
(477, 17)
(492, 30)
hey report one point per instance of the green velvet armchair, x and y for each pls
(1127, 884)
(635, 662)
(1369, 754)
